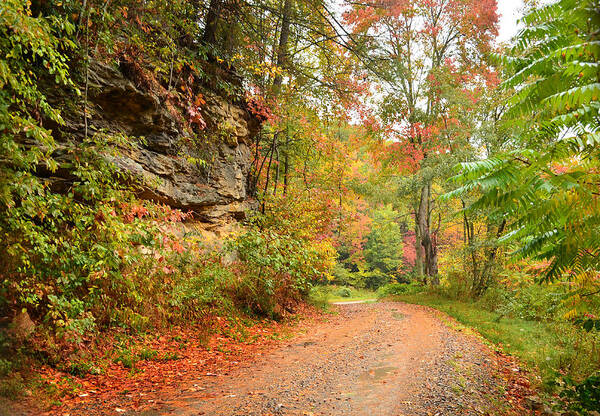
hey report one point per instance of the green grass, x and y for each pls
(355, 294)
(323, 294)
(546, 347)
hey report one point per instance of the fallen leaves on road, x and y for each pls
(191, 355)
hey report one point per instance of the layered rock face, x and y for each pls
(207, 173)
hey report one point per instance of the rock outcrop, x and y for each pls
(206, 173)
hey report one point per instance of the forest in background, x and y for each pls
(401, 149)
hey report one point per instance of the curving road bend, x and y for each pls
(385, 358)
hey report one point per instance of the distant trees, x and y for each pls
(374, 257)
(383, 248)
(431, 58)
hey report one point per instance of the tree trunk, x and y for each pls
(273, 145)
(276, 171)
(485, 275)
(427, 240)
(286, 167)
(283, 41)
(418, 250)
(211, 22)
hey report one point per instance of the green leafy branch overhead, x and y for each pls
(549, 185)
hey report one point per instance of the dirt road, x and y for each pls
(383, 358)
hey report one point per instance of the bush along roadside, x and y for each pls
(156, 280)
(88, 260)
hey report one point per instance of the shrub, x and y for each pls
(456, 283)
(276, 266)
(392, 289)
(69, 257)
(534, 303)
(369, 279)
(343, 292)
(199, 287)
(374, 279)
(583, 397)
(344, 277)
(319, 296)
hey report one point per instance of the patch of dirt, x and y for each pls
(371, 359)
(385, 358)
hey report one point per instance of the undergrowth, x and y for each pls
(564, 355)
(83, 258)
(325, 294)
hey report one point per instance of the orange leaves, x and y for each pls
(157, 212)
(123, 10)
(142, 25)
(194, 104)
(199, 101)
(173, 245)
(132, 212)
(516, 380)
(183, 357)
(362, 17)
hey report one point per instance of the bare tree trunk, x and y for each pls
(418, 250)
(276, 171)
(470, 247)
(211, 22)
(286, 166)
(273, 145)
(277, 81)
(283, 41)
(427, 240)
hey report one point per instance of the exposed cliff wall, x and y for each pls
(205, 172)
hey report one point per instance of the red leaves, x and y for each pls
(516, 381)
(159, 213)
(409, 252)
(364, 15)
(193, 110)
(131, 212)
(183, 356)
(195, 117)
(173, 245)
(258, 107)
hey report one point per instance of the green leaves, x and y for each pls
(588, 324)
(31, 51)
(548, 187)
(574, 97)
